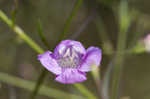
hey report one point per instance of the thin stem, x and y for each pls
(29, 85)
(106, 80)
(107, 46)
(44, 71)
(85, 91)
(39, 83)
(124, 24)
(84, 25)
(96, 76)
(21, 33)
(69, 20)
(14, 12)
(41, 33)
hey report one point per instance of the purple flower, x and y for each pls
(70, 61)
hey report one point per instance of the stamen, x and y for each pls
(70, 59)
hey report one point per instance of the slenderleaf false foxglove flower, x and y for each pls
(70, 61)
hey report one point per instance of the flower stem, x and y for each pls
(21, 33)
(41, 34)
(118, 62)
(29, 85)
(106, 43)
(85, 91)
(44, 72)
(39, 83)
(96, 76)
(69, 20)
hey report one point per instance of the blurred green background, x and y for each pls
(96, 23)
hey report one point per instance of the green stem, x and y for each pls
(85, 91)
(96, 76)
(124, 24)
(39, 83)
(14, 12)
(21, 33)
(29, 85)
(69, 20)
(106, 43)
(42, 36)
(44, 71)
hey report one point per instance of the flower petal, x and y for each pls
(49, 63)
(70, 76)
(92, 57)
(61, 48)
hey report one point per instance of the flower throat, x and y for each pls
(69, 59)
